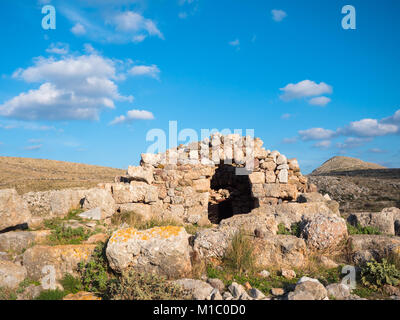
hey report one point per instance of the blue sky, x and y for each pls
(90, 90)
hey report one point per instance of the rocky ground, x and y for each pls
(115, 241)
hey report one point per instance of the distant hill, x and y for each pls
(25, 174)
(342, 164)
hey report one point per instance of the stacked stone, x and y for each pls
(180, 184)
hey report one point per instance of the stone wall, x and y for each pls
(199, 182)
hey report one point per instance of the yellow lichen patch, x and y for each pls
(165, 232)
(81, 296)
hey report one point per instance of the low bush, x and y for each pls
(62, 235)
(144, 286)
(376, 274)
(358, 229)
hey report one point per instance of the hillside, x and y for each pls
(358, 185)
(343, 164)
(25, 174)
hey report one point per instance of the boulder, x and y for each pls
(382, 221)
(64, 259)
(141, 174)
(213, 242)
(291, 213)
(196, 289)
(216, 284)
(14, 210)
(11, 275)
(311, 197)
(18, 241)
(365, 248)
(280, 251)
(99, 198)
(161, 250)
(55, 203)
(93, 214)
(324, 232)
(308, 289)
(339, 291)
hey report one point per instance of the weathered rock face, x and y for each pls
(17, 241)
(13, 209)
(99, 198)
(64, 259)
(324, 232)
(308, 289)
(280, 251)
(365, 248)
(197, 289)
(11, 275)
(382, 221)
(338, 291)
(161, 250)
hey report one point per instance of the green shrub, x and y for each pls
(51, 295)
(71, 284)
(358, 229)
(62, 235)
(294, 229)
(93, 273)
(376, 274)
(144, 286)
(240, 254)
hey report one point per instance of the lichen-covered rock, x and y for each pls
(339, 291)
(11, 275)
(324, 232)
(99, 198)
(161, 250)
(82, 295)
(14, 210)
(196, 289)
(141, 174)
(213, 243)
(308, 289)
(364, 248)
(382, 221)
(64, 259)
(280, 251)
(17, 241)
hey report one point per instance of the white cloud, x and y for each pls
(58, 48)
(303, 89)
(139, 38)
(376, 150)
(286, 116)
(133, 22)
(316, 134)
(132, 115)
(33, 148)
(278, 15)
(73, 87)
(369, 128)
(319, 101)
(352, 142)
(151, 71)
(289, 140)
(322, 144)
(234, 43)
(395, 119)
(78, 29)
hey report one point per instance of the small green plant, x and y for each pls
(73, 214)
(358, 229)
(294, 230)
(25, 284)
(376, 274)
(71, 284)
(240, 254)
(62, 235)
(52, 295)
(7, 294)
(93, 273)
(144, 286)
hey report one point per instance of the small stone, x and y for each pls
(217, 284)
(264, 274)
(247, 286)
(277, 291)
(288, 274)
(256, 294)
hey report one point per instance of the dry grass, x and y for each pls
(25, 174)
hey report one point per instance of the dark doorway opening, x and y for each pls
(230, 194)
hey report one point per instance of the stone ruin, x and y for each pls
(199, 183)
